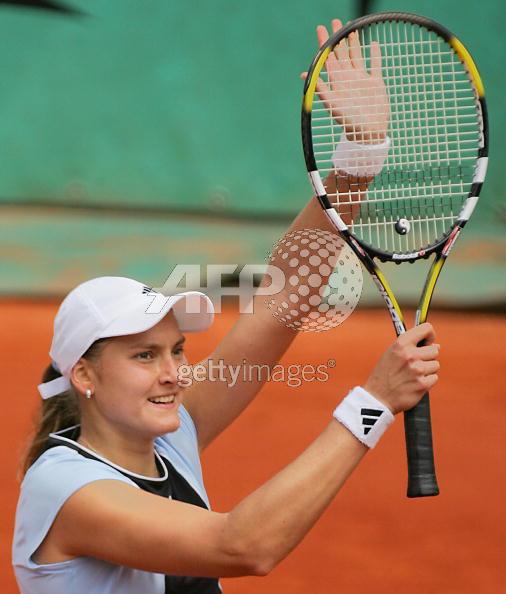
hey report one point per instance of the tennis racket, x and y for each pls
(407, 77)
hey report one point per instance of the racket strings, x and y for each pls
(434, 137)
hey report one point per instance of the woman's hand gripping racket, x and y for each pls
(395, 139)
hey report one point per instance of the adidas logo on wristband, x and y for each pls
(369, 418)
(364, 416)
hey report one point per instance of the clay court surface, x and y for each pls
(372, 539)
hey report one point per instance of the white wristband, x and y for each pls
(364, 416)
(360, 160)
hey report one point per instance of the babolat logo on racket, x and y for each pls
(410, 256)
(369, 418)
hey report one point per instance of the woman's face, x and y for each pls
(136, 380)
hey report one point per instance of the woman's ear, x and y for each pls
(82, 376)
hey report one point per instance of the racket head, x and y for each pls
(438, 132)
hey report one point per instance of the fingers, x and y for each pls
(422, 368)
(343, 55)
(417, 365)
(406, 371)
(349, 51)
(355, 50)
(375, 52)
(427, 353)
(325, 94)
(429, 381)
(424, 365)
(341, 50)
(322, 35)
(323, 91)
(431, 367)
(336, 25)
(415, 335)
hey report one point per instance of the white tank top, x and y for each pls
(58, 473)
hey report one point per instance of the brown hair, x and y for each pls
(58, 412)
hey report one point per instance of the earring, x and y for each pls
(88, 393)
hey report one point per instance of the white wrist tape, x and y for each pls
(364, 416)
(360, 160)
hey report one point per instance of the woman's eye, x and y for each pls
(145, 355)
(178, 352)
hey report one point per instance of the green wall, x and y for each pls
(185, 104)
(178, 106)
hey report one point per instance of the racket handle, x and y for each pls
(421, 470)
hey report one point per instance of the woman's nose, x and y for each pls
(168, 372)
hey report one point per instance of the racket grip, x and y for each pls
(421, 470)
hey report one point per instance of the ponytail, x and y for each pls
(56, 413)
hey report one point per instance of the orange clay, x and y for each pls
(372, 538)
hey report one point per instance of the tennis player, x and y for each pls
(113, 500)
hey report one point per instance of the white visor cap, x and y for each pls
(115, 306)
